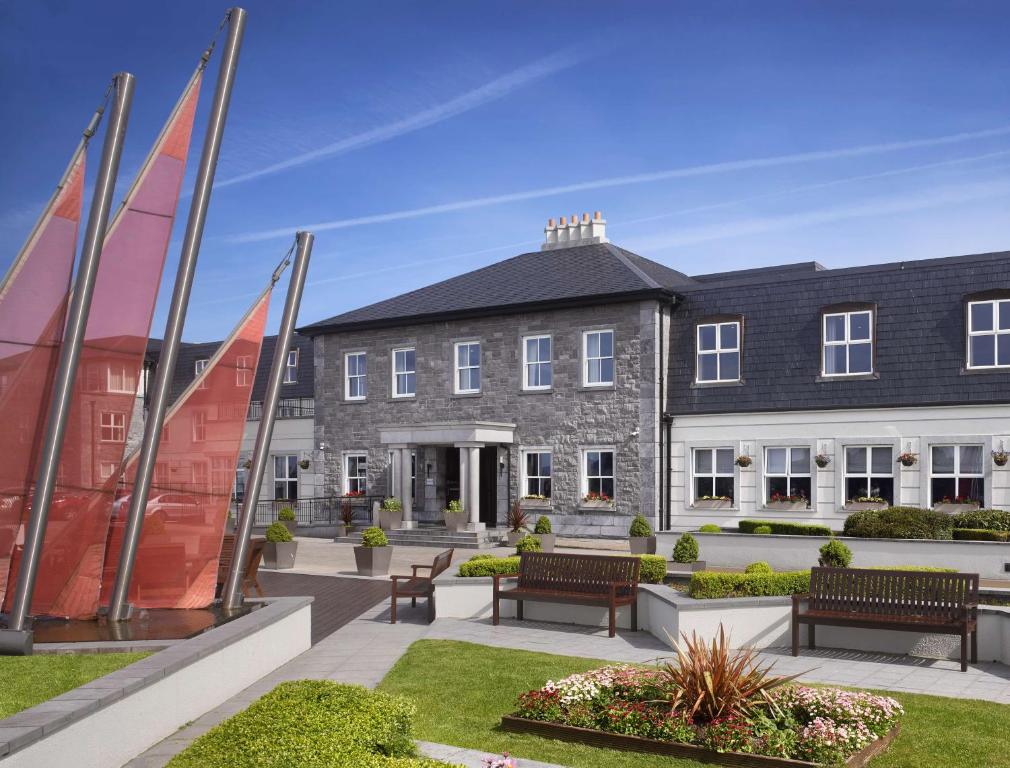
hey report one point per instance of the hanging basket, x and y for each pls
(304, 463)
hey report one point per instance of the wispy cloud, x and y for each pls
(491, 91)
(618, 181)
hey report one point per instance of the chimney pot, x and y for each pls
(598, 215)
(550, 223)
(571, 231)
(585, 218)
(563, 222)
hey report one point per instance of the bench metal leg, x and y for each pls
(494, 612)
(634, 616)
(613, 620)
(811, 636)
(431, 606)
(392, 607)
(796, 638)
(974, 647)
(413, 602)
(519, 610)
(964, 649)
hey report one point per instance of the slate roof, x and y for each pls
(580, 275)
(920, 327)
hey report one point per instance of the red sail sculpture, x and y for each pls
(180, 543)
(33, 301)
(105, 402)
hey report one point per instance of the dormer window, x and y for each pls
(718, 352)
(989, 334)
(847, 343)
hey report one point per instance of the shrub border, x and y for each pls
(627, 743)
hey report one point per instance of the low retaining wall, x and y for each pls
(110, 720)
(760, 622)
(786, 553)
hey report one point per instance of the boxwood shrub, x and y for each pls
(759, 567)
(980, 534)
(789, 529)
(708, 585)
(489, 566)
(899, 523)
(653, 569)
(710, 528)
(312, 724)
(989, 519)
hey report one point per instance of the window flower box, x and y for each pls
(958, 504)
(593, 500)
(713, 502)
(862, 506)
(788, 506)
(535, 502)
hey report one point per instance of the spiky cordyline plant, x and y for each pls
(712, 681)
(517, 518)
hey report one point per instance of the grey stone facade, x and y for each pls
(566, 419)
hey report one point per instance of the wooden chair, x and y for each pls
(250, 583)
(415, 586)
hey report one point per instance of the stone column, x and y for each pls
(405, 488)
(473, 491)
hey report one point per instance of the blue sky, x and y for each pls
(422, 140)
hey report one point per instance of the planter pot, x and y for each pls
(642, 545)
(344, 530)
(514, 537)
(291, 525)
(388, 520)
(279, 554)
(862, 506)
(788, 506)
(697, 565)
(546, 541)
(713, 504)
(951, 508)
(373, 561)
(455, 522)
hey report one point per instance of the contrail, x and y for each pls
(491, 91)
(618, 181)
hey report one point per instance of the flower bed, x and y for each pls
(630, 708)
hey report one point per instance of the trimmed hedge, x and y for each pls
(788, 529)
(899, 523)
(710, 528)
(980, 534)
(489, 566)
(710, 585)
(989, 519)
(653, 569)
(312, 724)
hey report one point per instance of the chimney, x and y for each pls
(570, 232)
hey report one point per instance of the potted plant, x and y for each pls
(640, 537)
(542, 530)
(280, 549)
(286, 515)
(790, 502)
(1000, 457)
(743, 460)
(536, 501)
(822, 460)
(685, 554)
(517, 520)
(956, 504)
(528, 543)
(390, 513)
(594, 500)
(713, 502)
(834, 554)
(455, 516)
(861, 503)
(346, 524)
(247, 464)
(908, 459)
(374, 554)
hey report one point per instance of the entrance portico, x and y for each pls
(467, 437)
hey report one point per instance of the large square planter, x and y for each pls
(388, 519)
(675, 567)
(642, 545)
(713, 503)
(279, 554)
(546, 541)
(862, 506)
(952, 508)
(514, 537)
(343, 530)
(291, 525)
(455, 522)
(788, 506)
(373, 561)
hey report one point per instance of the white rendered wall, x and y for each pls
(828, 432)
(290, 437)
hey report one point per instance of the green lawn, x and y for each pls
(462, 690)
(30, 680)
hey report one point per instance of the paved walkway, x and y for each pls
(363, 650)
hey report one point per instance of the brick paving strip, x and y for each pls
(364, 648)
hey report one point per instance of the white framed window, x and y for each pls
(847, 343)
(355, 376)
(989, 334)
(598, 473)
(106, 469)
(787, 474)
(718, 347)
(869, 473)
(240, 478)
(404, 372)
(355, 474)
(291, 367)
(112, 427)
(121, 378)
(467, 367)
(598, 357)
(286, 477)
(714, 473)
(956, 474)
(221, 476)
(199, 367)
(199, 426)
(537, 469)
(538, 365)
(243, 371)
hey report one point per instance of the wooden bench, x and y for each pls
(252, 564)
(415, 586)
(573, 579)
(907, 601)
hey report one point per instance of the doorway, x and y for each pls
(489, 486)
